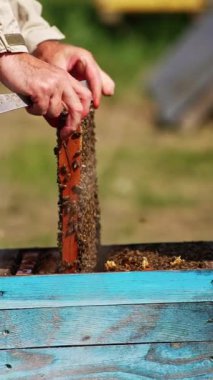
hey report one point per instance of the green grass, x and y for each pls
(185, 164)
(31, 164)
(129, 172)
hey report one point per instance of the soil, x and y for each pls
(165, 257)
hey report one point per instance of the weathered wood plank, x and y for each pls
(50, 327)
(106, 289)
(125, 362)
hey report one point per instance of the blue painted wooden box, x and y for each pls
(114, 326)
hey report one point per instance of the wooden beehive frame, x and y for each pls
(79, 214)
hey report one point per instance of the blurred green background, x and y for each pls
(154, 185)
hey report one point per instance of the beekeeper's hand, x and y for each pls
(80, 64)
(50, 88)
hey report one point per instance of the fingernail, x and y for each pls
(96, 103)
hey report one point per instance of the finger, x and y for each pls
(55, 106)
(69, 101)
(65, 132)
(39, 106)
(75, 110)
(108, 85)
(52, 121)
(78, 70)
(58, 122)
(93, 77)
(85, 68)
(86, 102)
(85, 96)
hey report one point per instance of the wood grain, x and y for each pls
(67, 180)
(130, 362)
(106, 289)
(76, 326)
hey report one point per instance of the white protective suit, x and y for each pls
(22, 27)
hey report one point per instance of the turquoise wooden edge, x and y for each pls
(104, 325)
(126, 362)
(106, 289)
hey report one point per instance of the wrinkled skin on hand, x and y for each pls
(50, 88)
(80, 64)
(51, 78)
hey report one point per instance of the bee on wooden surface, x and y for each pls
(75, 165)
(67, 209)
(77, 189)
(75, 135)
(64, 205)
(65, 198)
(63, 170)
(62, 186)
(67, 178)
(72, 229)
(64, 182)
(77, 154)
(73, 208)
(56, 150)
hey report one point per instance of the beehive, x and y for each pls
(115, 326)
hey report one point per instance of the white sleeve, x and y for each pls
(33, 27)
(22, 27)
(11, 39)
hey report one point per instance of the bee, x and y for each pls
(56, 150)
(67, 209)
(67, 178)
(63, 118)
(72, 229)
(62, 186)
(77, 189)
(75, 165)
(63, 170)
(75, 135)
(65, 198)
(77, 154)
